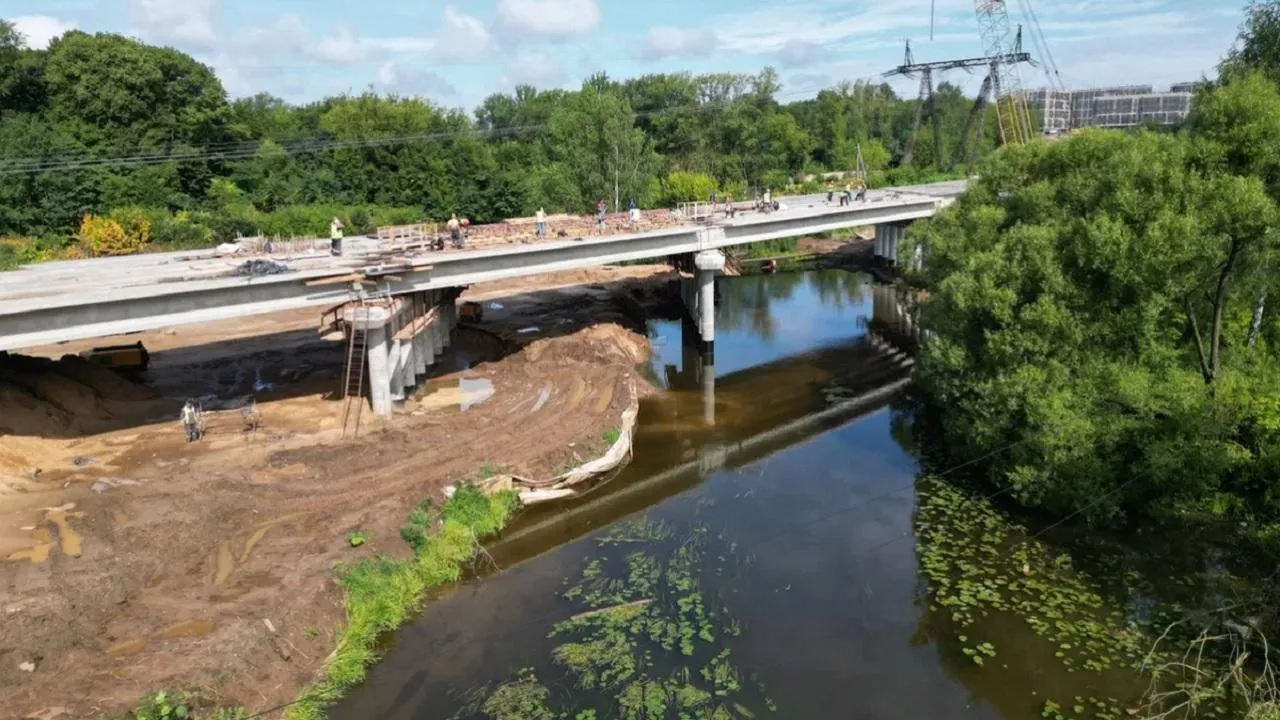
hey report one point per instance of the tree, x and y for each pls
(594, 135)
(1090, 310)
(1258, 44)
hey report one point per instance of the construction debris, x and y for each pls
(258, 268)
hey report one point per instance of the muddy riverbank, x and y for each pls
(131, 561)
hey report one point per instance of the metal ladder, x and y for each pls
(353, 382)
(357, 352)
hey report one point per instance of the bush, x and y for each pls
(774, 180)
(394, 215)
(687, 187)
(180, 232)
(361, 222)
(18, 251)
(105, 236)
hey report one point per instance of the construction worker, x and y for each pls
(847, 197)
(191, 421)
(455, 231)
(542, 223)
(729, 209)
(335, 236)
(602, 207)
(768, 200)
(634, 211)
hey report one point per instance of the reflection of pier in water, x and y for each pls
(705, 423)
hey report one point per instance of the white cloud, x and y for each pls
(189, 23)
(770, 30)
(462, 37)
(535, 68)
(801, 53)
(673, 42)
(39, 30)
(409, 80)
(340, 47)
(554, 19)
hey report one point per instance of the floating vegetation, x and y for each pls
(644, 645)
(978, 562)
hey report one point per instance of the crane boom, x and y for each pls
(1000, 40)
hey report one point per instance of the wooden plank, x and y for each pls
(418, 325)
(333, 279)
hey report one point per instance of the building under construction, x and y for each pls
(1112, 107)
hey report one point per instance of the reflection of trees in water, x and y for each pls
(837, 288)
(745, 303)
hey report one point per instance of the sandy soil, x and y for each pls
(131, 561)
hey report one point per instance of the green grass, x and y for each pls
(611, 436)
(382, 593)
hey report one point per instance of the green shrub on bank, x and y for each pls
(196, 229)
(382, 593)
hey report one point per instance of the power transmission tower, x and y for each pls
(965, 149)
(1000, 40)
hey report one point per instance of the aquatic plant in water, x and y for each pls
(643, 646)
(978, 562)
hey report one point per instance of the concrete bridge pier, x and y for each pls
(381, 354)
(408, 363)
(379, 372)
(423, 355)
(886, 244)
(700, 295)
(395, 378)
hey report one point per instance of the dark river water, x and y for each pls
(765, 554)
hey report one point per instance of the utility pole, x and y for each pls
(617, 160)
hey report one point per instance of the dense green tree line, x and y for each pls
(260, 164)
(1105, 334)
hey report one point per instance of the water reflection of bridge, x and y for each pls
(708, 423)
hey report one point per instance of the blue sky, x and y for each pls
(457, 52)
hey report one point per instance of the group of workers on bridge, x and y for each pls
(848, 196)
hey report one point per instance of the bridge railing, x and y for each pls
(696, 211)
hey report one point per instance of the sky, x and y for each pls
(458, 52)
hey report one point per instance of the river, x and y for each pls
(772, 551)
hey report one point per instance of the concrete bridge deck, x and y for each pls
(70, 300)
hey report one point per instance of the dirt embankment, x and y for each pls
(131, 561)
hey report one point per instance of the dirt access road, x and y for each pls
(131, 561)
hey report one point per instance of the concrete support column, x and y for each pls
(708, 263)
(420, 344)
(396, 383)
(447, 309)
(430, 348)
(379, 372)
(408, 362)
(887, 237)
(439, 335)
